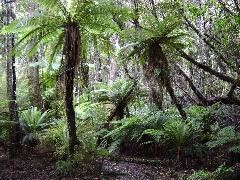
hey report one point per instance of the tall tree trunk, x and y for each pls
(34, 83)
(97, 64)
(33, 70)
(71, 52)
(156, 92)
(11, 85)
(157, 96)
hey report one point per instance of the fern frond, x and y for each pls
(54, 6)
(45, 36)
(55, 48)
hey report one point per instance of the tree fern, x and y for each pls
(54, 6)
(178, 132)
(164, 32)
(33, 120)
(71, 21)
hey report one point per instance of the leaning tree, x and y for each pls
(154, 39)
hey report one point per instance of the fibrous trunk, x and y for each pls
(157, 67)
(156, 90)
(82, 76)
(71, 57)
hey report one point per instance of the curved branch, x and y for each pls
(207, 68)
(208, 42)
(196, 91)
(228, 99)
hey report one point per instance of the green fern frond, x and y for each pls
(55, 49)
(54, 6)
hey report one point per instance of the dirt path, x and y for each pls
(41, 166)
(36, 166)
(136, 171)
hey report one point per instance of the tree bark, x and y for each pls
(15, 139)
(71, 53)
(206, 68)
(157, 66)
(228, 99)
(33, 70)
(34, 83)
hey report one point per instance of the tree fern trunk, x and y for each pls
(167, 82)
(71, 53)
(158, 67)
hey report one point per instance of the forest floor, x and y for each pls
(42, 166)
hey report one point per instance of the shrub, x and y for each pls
(144, 125)
(8, 137)
(57, 137)
(227, 137)
(33, 122)
(126, 130)
(174, 133)
(131, 130)
(178, 132)
(95, 112)
(184, 136)
(6, 129)
(202, 119)
(199, 175)
(163, 128)
(220, 173)
(83, 161)
(3, 136)
(199, 113)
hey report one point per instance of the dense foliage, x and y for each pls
(91, 79)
